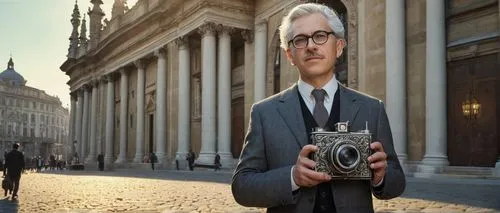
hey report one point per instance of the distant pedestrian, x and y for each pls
(153, 160)
(14, 165)
(100, 161)
(190, 158)
(217, 162)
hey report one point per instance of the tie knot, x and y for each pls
(319, 95)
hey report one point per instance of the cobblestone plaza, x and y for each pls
(208, 191)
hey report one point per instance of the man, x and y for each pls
(153, 160)
(274, 162)
(14, 164)
(190, 158)
(100, 161)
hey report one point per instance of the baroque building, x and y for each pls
(31, 117)
(169, 76)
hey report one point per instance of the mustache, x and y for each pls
(312, 54)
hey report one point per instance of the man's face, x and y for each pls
(314, 60)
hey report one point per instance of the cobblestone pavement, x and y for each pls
(208, 191)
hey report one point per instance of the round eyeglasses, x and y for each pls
(318, 37)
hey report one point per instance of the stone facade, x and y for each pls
(32, 118)
(209, 39)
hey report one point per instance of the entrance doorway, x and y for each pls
(473, 106)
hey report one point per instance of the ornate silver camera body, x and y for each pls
(343, 154)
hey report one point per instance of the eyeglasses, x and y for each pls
(318, 37)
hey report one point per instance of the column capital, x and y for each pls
(160, 52)
(123, 71)
(86, 87)
(182, 42)
(248, 35)
(208, 28)
(222, 29)
(140, 64)
(110, 77)
(261, 26)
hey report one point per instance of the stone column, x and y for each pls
(260, 61)
(497, 165)
(208, 65)
(161, 103)
(85, 125)
(91, 158)
(72, 118)
(224, 98)
(110, 112)
(122, 156)
(79, 112)
(396, 74)
(184, 102)
(249, 69)
(435, 122)
(140, 126)
(101, 121)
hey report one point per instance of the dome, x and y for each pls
(10, 75)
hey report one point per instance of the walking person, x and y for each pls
(153, 160)
(14, 165)
(190, 158)
(100, 161)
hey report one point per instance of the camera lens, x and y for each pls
(345, 157)
(348, 156)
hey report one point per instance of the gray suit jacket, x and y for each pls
(274, 139)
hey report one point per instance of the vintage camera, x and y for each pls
(343, 154)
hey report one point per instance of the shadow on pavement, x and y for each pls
(8, 205)
(471, 192)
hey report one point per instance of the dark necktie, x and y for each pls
(319, 113)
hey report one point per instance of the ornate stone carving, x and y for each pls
(248, 35)
(160, 52)
(140, 64)
(208, 28)
(221, 29)
(182, 42)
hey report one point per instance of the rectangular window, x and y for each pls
(33, 104)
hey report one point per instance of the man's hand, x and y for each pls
(303, 172)
(378, 162)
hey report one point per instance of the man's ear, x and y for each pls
(288, 53)
(340, 47)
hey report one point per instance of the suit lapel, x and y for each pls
(289, 109)
(349, 106)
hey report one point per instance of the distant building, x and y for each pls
(31, 117)
(166, 76)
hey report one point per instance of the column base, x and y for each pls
(430, 166)
(138, 158)
(496, 170)
(402, 159)
(227, 160)
(435, 160)
(91, 159)
(162, 158)
(108, 163)
(206, 158)
(121, 160)
(180, 161)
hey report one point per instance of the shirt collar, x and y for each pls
(305, 89)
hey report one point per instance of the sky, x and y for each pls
(36, 33)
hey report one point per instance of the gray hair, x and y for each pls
(331, 16)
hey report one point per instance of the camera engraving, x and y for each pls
(343, 154)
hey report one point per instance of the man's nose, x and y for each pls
(311, 44)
